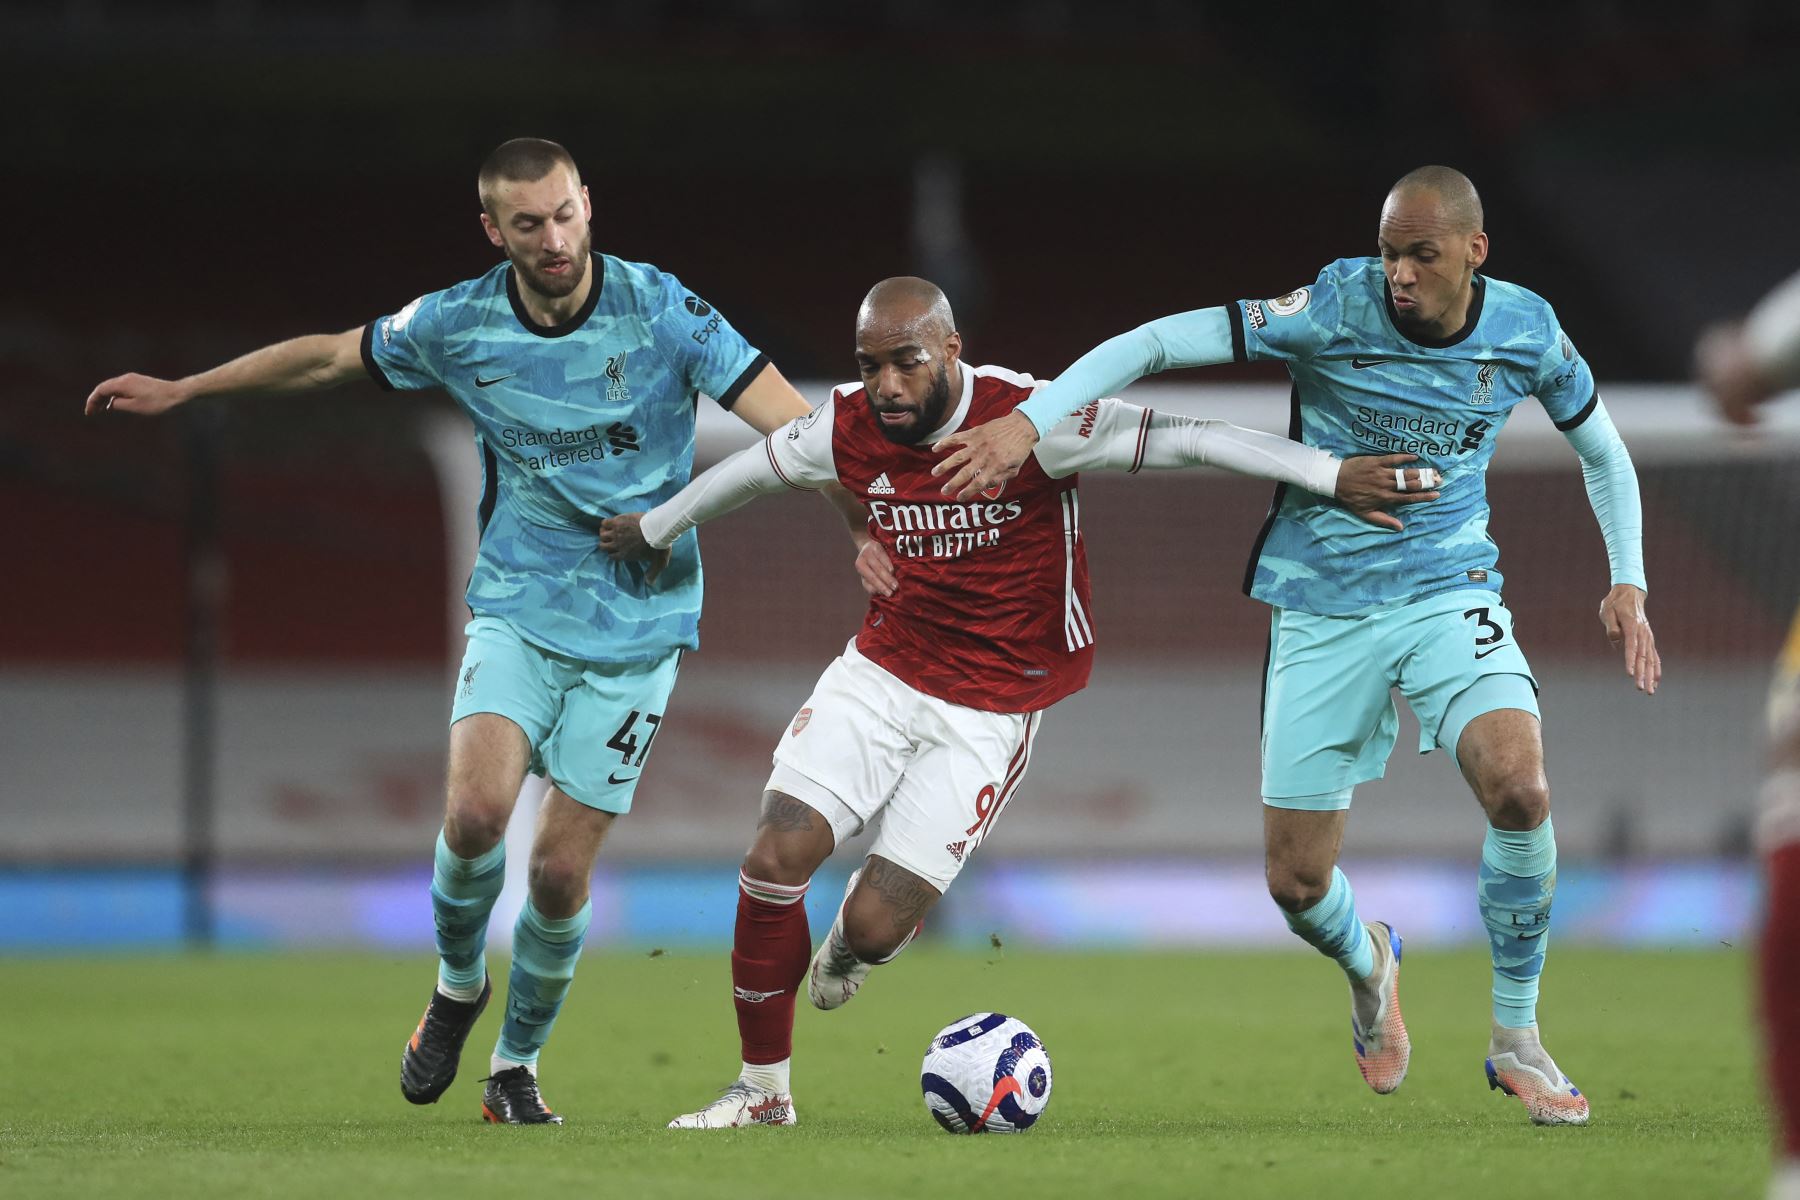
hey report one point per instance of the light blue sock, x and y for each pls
(1332, 927)
(463, 891)
(544, 954)
(1518, 880)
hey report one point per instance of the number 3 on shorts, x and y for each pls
(625, 741)
(1488, 632)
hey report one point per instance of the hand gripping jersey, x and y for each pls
(992, 611)
(574, 423)
(1361, 386)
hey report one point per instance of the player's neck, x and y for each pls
(1456, 316)
(551, 311)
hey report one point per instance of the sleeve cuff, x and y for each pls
(368, 357)
(1587, 410)
(1235, 315)
(745, 378)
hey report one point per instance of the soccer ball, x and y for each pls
(986, 1073)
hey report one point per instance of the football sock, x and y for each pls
(1332, 927)
(770, 1076)
(463, 891)
(543, 965)
(1779, 979)
(768, 960)
(1518, 880)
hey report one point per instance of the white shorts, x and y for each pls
(864, 742)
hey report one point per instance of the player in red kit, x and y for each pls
(927, 718)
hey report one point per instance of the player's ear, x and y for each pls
(587, 205)
(953, 348)
(1478, 250)
(493, 231)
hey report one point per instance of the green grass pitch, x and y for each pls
(1192, 1074)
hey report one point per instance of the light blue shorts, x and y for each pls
(1329, 720)
(591, 725)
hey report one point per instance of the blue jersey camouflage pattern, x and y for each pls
(574, 423)
(1363, 387)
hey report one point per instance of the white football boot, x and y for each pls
(1376, 1029)
(1518, 1065)
(744, 1103)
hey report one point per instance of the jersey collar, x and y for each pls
(1478, 294)
(961, 412)
(576, 321)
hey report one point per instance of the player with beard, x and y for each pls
(580, 372)
(927, 719)
(1414, 351)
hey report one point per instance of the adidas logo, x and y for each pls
(882, 486)
(956, 849)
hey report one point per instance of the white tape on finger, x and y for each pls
(1399, 479)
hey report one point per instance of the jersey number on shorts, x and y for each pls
(985, 810)
(625, 741)
(1481, 616)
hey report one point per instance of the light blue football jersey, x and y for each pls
(1363, 387)
(574, 424)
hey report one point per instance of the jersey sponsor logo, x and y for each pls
(1477, 431)
(1484, 384)
(1253, 313)
(1293, 302)
(750, 997)
(702, 309)
(956, 849)
(1393, 433)
(622, 437)
(1090, 416)
(1360, 363)
(616, 391)
(943, 530)
(882, 486)
(1563, 344)
(567, 446)
(801, 719)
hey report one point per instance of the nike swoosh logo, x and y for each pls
(615, 779)
(480, 382)
(1363, 364)
(1488, 651)
(1526, 937)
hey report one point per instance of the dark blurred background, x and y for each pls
(192, 180)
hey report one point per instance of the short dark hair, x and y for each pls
(522, 160)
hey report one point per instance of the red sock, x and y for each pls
(768, 961)
(1781, 989)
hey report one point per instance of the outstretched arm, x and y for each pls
(1612, 489)
(770, 402)
(1114, 435)
(302, 364)
(727, 485)
(992, 453)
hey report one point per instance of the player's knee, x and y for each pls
(558, 883)
(474, 822)
(1297, 888)
(1520, 802)
(778, 860)
(872, 941)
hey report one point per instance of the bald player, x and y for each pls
(924, 725)
(1414, 352)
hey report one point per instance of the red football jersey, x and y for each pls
(992, 610)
